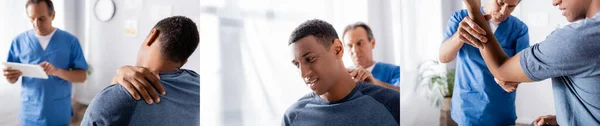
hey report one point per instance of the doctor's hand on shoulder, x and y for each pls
(139, 82)
(360, 74)
(11, 74)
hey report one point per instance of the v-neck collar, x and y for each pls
(36, 41)
(500, 29)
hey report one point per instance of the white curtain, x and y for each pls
(251, 81)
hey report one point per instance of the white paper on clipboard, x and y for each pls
(35, 71)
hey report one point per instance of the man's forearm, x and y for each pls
(449, 49)
(77, 76)
(492, 52)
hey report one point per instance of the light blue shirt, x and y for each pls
(46, 102)
(477, 99)
(571, 57)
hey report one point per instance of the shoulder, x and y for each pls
(66, 35)
(191, 72)
(517, 23)
(388, 66)
(114, 98)
(387, 97)
(461, 14)
(379, 93)
(293, 110)
(112, 106)
(21, 36)
(302, 102)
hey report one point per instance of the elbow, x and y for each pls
(500, 76)
(444, 59)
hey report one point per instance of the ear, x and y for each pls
(52, 16)
(373, 43)
(337, 48)
(152, 37)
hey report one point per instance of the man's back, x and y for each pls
(115, 106)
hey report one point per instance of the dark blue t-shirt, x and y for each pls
(367, 104)
(179, 107)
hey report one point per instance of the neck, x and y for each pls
(594, 8)
(367, 65)
(45, 33)
(160, 65)
(341, 89)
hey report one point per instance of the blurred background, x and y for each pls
(107, 45)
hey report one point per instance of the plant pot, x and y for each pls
(445, 118)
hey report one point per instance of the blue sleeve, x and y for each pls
(523, 39)
(112, 106)
(395, 76)
(77, 58)
(563, 53)
(12, 52)
(453, 24)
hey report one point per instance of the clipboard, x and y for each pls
(34, 71)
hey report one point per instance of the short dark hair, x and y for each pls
(179, 37)
(360, 24)
(321, 30)
(49, 4)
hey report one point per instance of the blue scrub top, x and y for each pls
(477, 98)
(387, 73)
(47, 102)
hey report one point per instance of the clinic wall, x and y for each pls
(109, 47)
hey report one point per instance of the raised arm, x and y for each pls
(500, 65)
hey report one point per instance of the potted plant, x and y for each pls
(437, 83)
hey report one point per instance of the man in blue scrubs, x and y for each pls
(477, 98)
(359, 39)
(46, 101)
(569, 55)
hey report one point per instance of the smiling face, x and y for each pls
(319, 66)
(501, 9)
(573, 10)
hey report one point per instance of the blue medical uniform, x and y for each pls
(47, 102)
(387, 73)
(477, 98)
